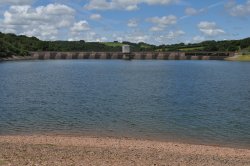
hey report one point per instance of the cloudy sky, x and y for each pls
(151, 21)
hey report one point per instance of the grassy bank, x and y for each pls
(244, 58)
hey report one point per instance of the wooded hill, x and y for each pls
(11, 44)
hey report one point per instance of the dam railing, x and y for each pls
(202, 55)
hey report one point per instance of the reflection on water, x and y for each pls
(201, 101)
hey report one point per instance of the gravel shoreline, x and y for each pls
(62, 150)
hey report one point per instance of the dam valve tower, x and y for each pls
(126, 52)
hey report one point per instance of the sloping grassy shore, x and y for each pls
(58, 150)
(16, 58)
(239, 58)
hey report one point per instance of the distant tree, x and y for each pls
(245, 43)
(232, 48)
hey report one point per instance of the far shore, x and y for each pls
(82, 150)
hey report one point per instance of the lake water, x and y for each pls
(204, 102)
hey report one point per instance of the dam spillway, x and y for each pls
(133, 55)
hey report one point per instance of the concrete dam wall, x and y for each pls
(133, 55)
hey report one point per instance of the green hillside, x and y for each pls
(11, 44)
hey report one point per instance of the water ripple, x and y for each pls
(201, 101)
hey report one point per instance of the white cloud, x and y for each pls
(170, 37)
(161, 2)
(132, 23)
(43, 31)
(192, 11)
(15, 2)
(162, 22)
(109, 5)
(175, 34)
(43, 22)
(80, 26)
(7, 28)
(90, 37)
(189, 11)
(137, 38)
(123, 4)
(95, 16)
(134, 36)
(235, 9)
(210, 28)
(26, 15)
(197, 39)
(156, 28)
(165, 20)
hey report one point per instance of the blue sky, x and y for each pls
(152, 21)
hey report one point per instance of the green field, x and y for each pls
(113, 44)
(192, 49)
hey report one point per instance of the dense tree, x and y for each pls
(245, 43)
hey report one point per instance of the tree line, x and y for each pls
(11, 44)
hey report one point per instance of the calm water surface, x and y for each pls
(199, 101)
